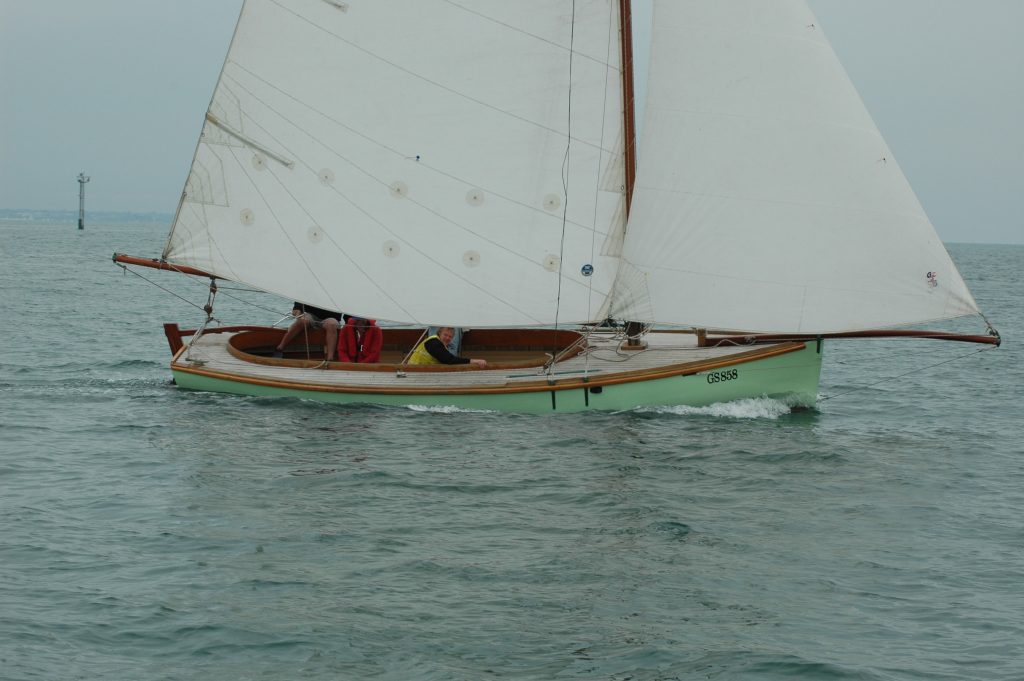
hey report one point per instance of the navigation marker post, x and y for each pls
(82, 179)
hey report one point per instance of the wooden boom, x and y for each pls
(160, 265)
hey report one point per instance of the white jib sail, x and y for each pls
(766, 199)
(403, 159)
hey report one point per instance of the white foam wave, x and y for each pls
(446, 409)
(750, 408)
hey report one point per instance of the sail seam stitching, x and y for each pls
(280, 225)
(410, 199)
(396, 235)
(351, 260)
(805, 122)
(403, 69)
(538, 211)
(919, 216)
(204, 219)
(486, 17)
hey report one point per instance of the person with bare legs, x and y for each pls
(309, 318)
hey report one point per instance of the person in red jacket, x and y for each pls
(360, 341)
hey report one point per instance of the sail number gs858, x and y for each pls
(720, 376)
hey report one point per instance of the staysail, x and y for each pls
(766, 198)
(405, 160)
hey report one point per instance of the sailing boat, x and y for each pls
(474, 163)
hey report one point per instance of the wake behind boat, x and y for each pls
(432, 163)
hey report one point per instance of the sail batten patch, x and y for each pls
(248, 140)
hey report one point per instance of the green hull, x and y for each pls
(792, 377)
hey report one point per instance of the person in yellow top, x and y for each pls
(434, 350)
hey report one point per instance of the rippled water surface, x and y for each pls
(151, 533)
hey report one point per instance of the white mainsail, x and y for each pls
(766, 199)
(404, 159)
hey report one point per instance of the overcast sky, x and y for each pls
(118, 89)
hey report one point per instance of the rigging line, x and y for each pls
(244, 301)
(384, 184)
(162, 288)
(436, 84)
(915, 371)
(306, 323)
(247, 289)
(527, 33)
(396, 152)
(182, 298)
(565, 177)
(202, 329)
(991, 329)
(394, 234)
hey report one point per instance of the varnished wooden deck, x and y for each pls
(603, 362)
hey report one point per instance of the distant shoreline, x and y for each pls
(71, 216)
(60, 217)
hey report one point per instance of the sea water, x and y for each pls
(148, 532)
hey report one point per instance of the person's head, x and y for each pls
(445, 334)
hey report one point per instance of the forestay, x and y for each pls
(766, 199)
(403, 159)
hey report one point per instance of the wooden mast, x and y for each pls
(633, 329)
(628, 97)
